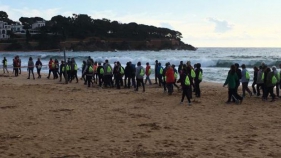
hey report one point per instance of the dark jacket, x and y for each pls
(38, 64)
(128, 71)
(231, 80)
(255, 76)
(269, 79)
(197, 72)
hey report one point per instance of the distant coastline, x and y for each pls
(96, 45)
(80, 32)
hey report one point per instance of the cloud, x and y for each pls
(166, 25)
(15, 14)
(221, 26)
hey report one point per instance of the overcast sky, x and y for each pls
(203, 23)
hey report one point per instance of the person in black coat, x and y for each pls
(198, 80)
(155, 71)
(128, 75)
(38, 66)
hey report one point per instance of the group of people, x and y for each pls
(264, 80)
(189, 77)
(104, 75)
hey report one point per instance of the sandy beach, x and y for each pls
(44, 118)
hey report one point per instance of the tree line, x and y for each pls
(82, 26)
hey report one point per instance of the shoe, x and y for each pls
(228, 102)
(28, 78)
(241, 101)
(189, 104)
(273, 100)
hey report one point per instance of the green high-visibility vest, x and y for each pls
(247, 75)
(187, 81)
(5, 63)
(193, 74)
(262, 77)
(200, 77)
(278, 76)
(75, 67)
(62, 69)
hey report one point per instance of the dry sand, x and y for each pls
(43, 118)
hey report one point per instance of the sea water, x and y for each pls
(215, 61)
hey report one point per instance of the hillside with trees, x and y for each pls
(82, 33)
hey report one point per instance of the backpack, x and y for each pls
(187, 81)
(274, 80)
(193, 74)
(91, 70)
(122, 70)
(247, 75)
(108, 70)
(149, 71)
(101, 71)
(175, 75)
(200, 77)
(161, 71)
(142, 72)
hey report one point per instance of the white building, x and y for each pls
(4, 28)
(38, 24)
(17, 27)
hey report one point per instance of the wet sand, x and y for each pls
(44, 118)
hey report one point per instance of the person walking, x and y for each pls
(100, 72)
(277, 75)
(270, 84)
(156, 71)
(107, 74)
(19, 65)
(38, 66)
(170, 78)
(245, 78)
(175, 76)
(147, 73)
(198, 79)
(16, 66)
(30, 67)
(62, 70)
(88, 72)
(139, 76)
(260, 81)
(5, 65)
(51, 67)
(128, 75)
(231, 81)
(256, 71)
(185, 83)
